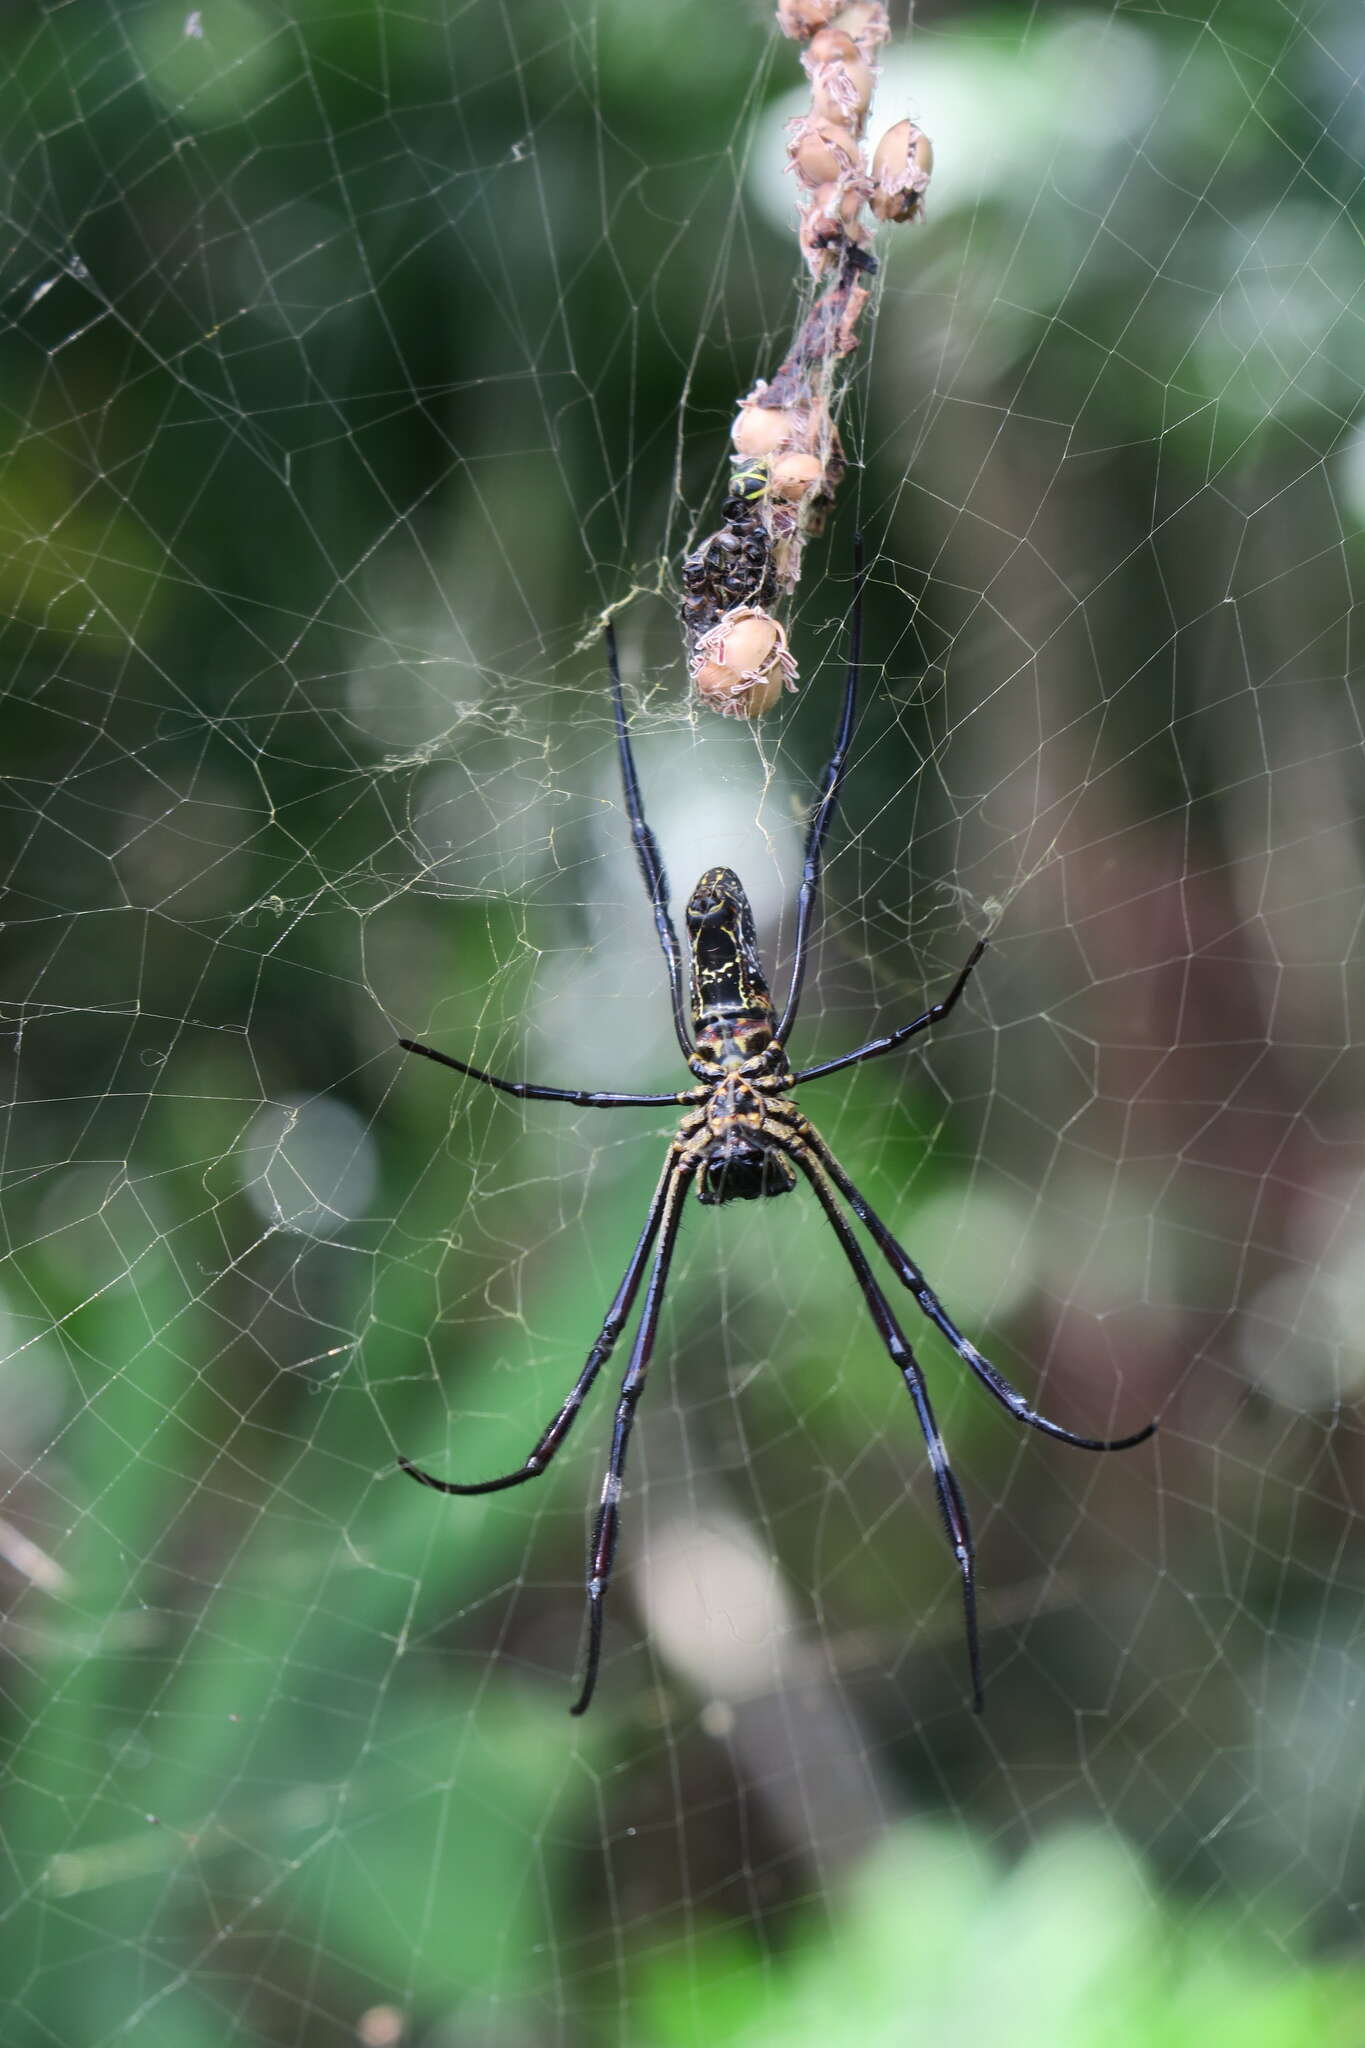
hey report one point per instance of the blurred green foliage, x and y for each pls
(1070, 1949)
(353, 359)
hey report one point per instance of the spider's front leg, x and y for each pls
(935, 1014)
(529, 1091)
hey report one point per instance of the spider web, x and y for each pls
(356, 362)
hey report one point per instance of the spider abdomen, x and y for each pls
(741, 1168)
(730, 998)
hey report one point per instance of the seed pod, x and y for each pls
(801, 18)
(720, 689)
(742, 666)
(822, 151)
(716, 686)
(842, 90)
(749, 641)
(758, 429)
(830, 46)
(901, 169)
(795, 476)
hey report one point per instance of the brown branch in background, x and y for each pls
(788, 461)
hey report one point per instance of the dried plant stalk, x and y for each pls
(788, 462)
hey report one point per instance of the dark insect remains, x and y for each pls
(742, 1137)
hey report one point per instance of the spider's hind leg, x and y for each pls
(952, 1506)
(612, 1325)
(905, 1269)
(607, 1526)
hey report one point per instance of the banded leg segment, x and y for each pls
(905, 1269)
(952, 1507)
(612, 1326)
(530, 1091)
(607, 1525)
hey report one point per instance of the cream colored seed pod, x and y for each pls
(801, 18)
(795, 476)
(720, 689)
(749, 641)
(742, 664)
(758, 429)
(902, 166)
(830, 46)
(822, 151)
(842, 90)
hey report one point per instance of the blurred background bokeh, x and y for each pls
(353, 359)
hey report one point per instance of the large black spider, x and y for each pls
(741, 1138)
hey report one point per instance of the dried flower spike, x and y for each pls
(787, 462)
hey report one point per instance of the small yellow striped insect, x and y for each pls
(750, 482)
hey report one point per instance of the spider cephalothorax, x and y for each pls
(743, 1137)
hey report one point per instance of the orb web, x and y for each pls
(357, 362)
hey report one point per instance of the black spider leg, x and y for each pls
(933, 1015)
(588, 1098)
(648, 855)
(952, 1506)
(613, 1324)
(829, 798)
(905, 1269)
(607, 1525)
